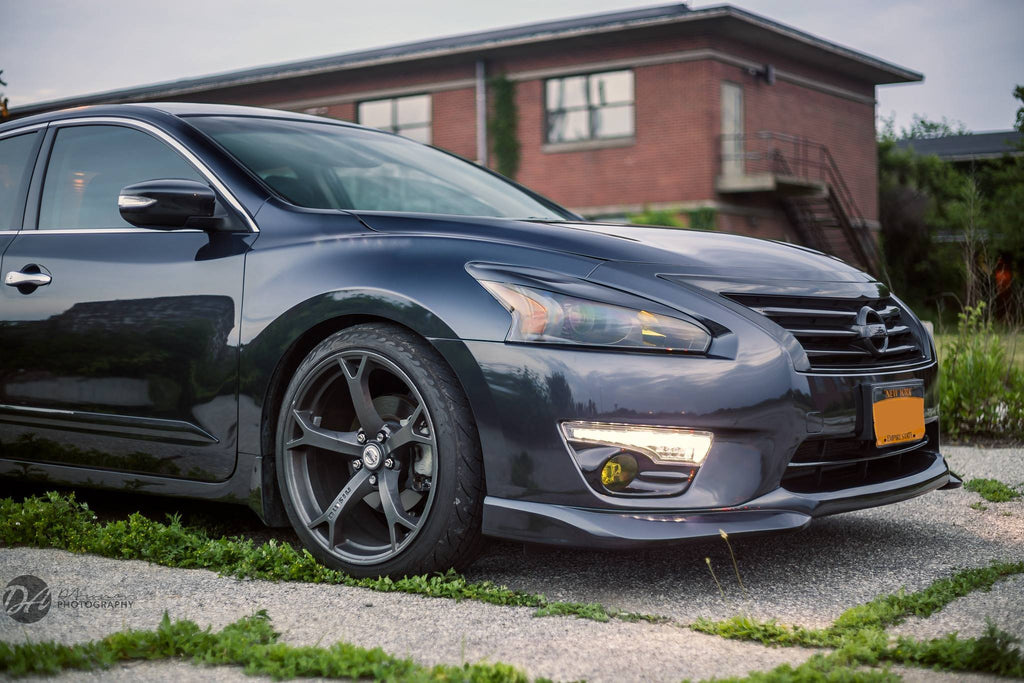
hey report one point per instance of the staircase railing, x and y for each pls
(800, 157)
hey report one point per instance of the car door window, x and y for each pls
(88, 167)
(15, 154)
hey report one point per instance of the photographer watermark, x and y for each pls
(27, 599)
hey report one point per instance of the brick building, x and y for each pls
(716, 114)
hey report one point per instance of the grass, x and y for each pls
(992, 490)
(59, 521)
(250, 642)
(1012, 342)
(879, 614)
(859, 638)
(994, 652)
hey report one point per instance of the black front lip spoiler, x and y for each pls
(779, 510)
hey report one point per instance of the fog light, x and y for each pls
(618, 472)
(661, 444)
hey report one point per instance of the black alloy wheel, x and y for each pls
(380, 465)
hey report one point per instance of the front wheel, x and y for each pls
(380, 464)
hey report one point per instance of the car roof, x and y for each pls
(151, 110)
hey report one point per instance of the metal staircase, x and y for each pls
(818, 203)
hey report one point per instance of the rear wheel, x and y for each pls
(380, 464)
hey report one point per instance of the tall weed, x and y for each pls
(982, 392)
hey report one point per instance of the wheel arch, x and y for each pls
(291, 349)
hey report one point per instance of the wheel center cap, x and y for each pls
(372, 455)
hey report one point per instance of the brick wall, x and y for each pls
(454, 121)
(846, 127)
(670, 159)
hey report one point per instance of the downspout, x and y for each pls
(481, 113)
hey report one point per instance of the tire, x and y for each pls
(379, 461)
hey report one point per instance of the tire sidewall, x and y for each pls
(405, 351)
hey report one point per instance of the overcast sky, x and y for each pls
(971, 52)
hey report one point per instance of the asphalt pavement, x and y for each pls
(805, 578)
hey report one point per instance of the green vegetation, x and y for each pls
(702, 219)
(992, 490)
(504, 125)
(59, 521)
(859, 638)
(250, 642)
(879, 614)
(664, 218)
(696, 219)
(994, 652)
(951, 232)
(981, 393)
(4, 114)
(817, 669)
(1013, 346)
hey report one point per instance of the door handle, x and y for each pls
(30, 279)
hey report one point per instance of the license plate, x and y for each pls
(898, 412)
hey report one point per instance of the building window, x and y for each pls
(590, 107)
(408, 116)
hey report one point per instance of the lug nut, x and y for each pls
(373, 480)
(383, 434)
(389, 463)
(360, 437)
(357, 465)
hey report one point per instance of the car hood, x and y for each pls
(683, 252)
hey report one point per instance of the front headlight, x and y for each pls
(542, 316)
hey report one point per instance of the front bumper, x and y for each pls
(780, 510)
(760, 409)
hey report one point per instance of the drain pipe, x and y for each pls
(481, 113)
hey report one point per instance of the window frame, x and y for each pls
(590, 108)
(394, 127)
(24, 190)
(32, 211)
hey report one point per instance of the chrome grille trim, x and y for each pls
(841, 334)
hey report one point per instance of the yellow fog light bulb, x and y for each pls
(618, 472)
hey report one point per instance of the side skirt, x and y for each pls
(243, 487)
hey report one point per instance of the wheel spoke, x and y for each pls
(355, 489)
(407, 433)
(318, 437)
(391, 502)
(358, 376)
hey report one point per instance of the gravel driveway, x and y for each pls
(805, 578)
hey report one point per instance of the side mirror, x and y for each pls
(169, 204)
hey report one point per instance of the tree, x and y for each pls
(4, 114)
(1018, 92)
(1003, 182)
(949, 228)
(922, 128)
(916, 195)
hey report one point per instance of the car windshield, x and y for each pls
(330, 166)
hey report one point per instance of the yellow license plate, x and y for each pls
(898, 412)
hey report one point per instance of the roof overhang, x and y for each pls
(726, 20)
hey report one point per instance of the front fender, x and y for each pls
(307, 283)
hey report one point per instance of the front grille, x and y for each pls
(842, 333)
(837, 464)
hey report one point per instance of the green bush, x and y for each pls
(665, 218)
(696, 219)
(982, 392)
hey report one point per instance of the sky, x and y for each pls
(971, 52)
